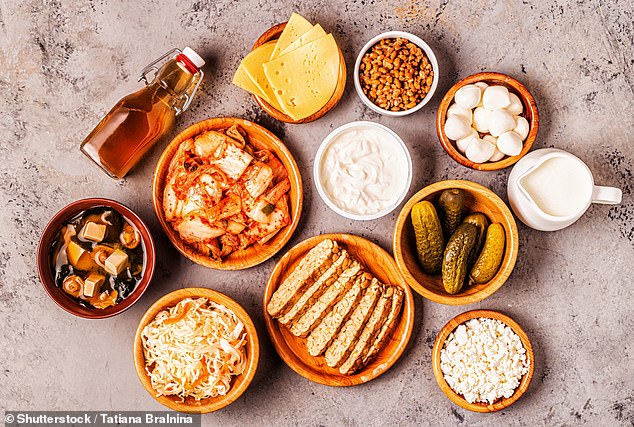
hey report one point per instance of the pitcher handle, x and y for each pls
(606, 195)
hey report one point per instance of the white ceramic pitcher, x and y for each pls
(528, 210)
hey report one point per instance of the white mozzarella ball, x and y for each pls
(463, 143)
(493, 140)
(490, 138)
(482, 87)
(515, 107)
(460, 111)
(481, 119)
(496, 98)
(510, 143)
(480, 151)
(497, 156)
(457, 127)
(500, 121)
(468, 96)
(521, 127)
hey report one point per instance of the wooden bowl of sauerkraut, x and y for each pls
(196, 350)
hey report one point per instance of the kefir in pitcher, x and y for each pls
(550, 189)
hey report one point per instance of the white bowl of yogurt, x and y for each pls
(362, 170)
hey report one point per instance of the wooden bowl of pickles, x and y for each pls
(95, 258)
(455, 242)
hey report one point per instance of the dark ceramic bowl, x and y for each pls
(46, 272)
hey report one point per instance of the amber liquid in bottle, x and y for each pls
(138, 120)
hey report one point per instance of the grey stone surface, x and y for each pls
(63, 64)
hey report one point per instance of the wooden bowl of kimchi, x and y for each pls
(172, 374)
(228, 193)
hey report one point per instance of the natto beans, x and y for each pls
(396, 74)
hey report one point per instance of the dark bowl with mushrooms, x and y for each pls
(95, 258)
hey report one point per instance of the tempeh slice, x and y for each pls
(325, 332)
(343, 344)
(388, 326)
(313, 265)
(370, 331)
(311, 295)
(333, 294)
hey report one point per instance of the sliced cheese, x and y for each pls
(315, 33)
(304, 80)
(296, 26)
(242, 79)
(252, 64)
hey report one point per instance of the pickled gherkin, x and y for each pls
(429, 237)
(488, 263)
(454, 265)
(481, 223)
(452, 204)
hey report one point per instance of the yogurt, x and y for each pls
(363, 169)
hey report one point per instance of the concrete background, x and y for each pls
(63, 64)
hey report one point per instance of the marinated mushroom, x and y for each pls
(100, 253)
(129, 237)
(104, 300)
(68, 232)
(106, 218)
(73, 285)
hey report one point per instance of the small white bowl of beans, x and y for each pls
(396, 73)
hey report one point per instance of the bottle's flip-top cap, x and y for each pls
(193, 57)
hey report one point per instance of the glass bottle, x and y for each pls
(140, 119)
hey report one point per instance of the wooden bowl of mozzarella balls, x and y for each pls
(487, 121)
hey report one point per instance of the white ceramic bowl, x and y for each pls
(395, 139)
(417, 41)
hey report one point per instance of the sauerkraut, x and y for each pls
(193, 349)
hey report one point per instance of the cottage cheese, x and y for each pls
(483, 360)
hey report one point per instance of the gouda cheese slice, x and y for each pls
(304, 80)
(296, 26)
(244, 81)
(314, 34)
(252, 65)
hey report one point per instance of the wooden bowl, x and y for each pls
(256, 253)
(239, 383)
(478, 199)
(274, 33)
(47, 274)
(458, 399)
(293, 349)
(530, 113)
